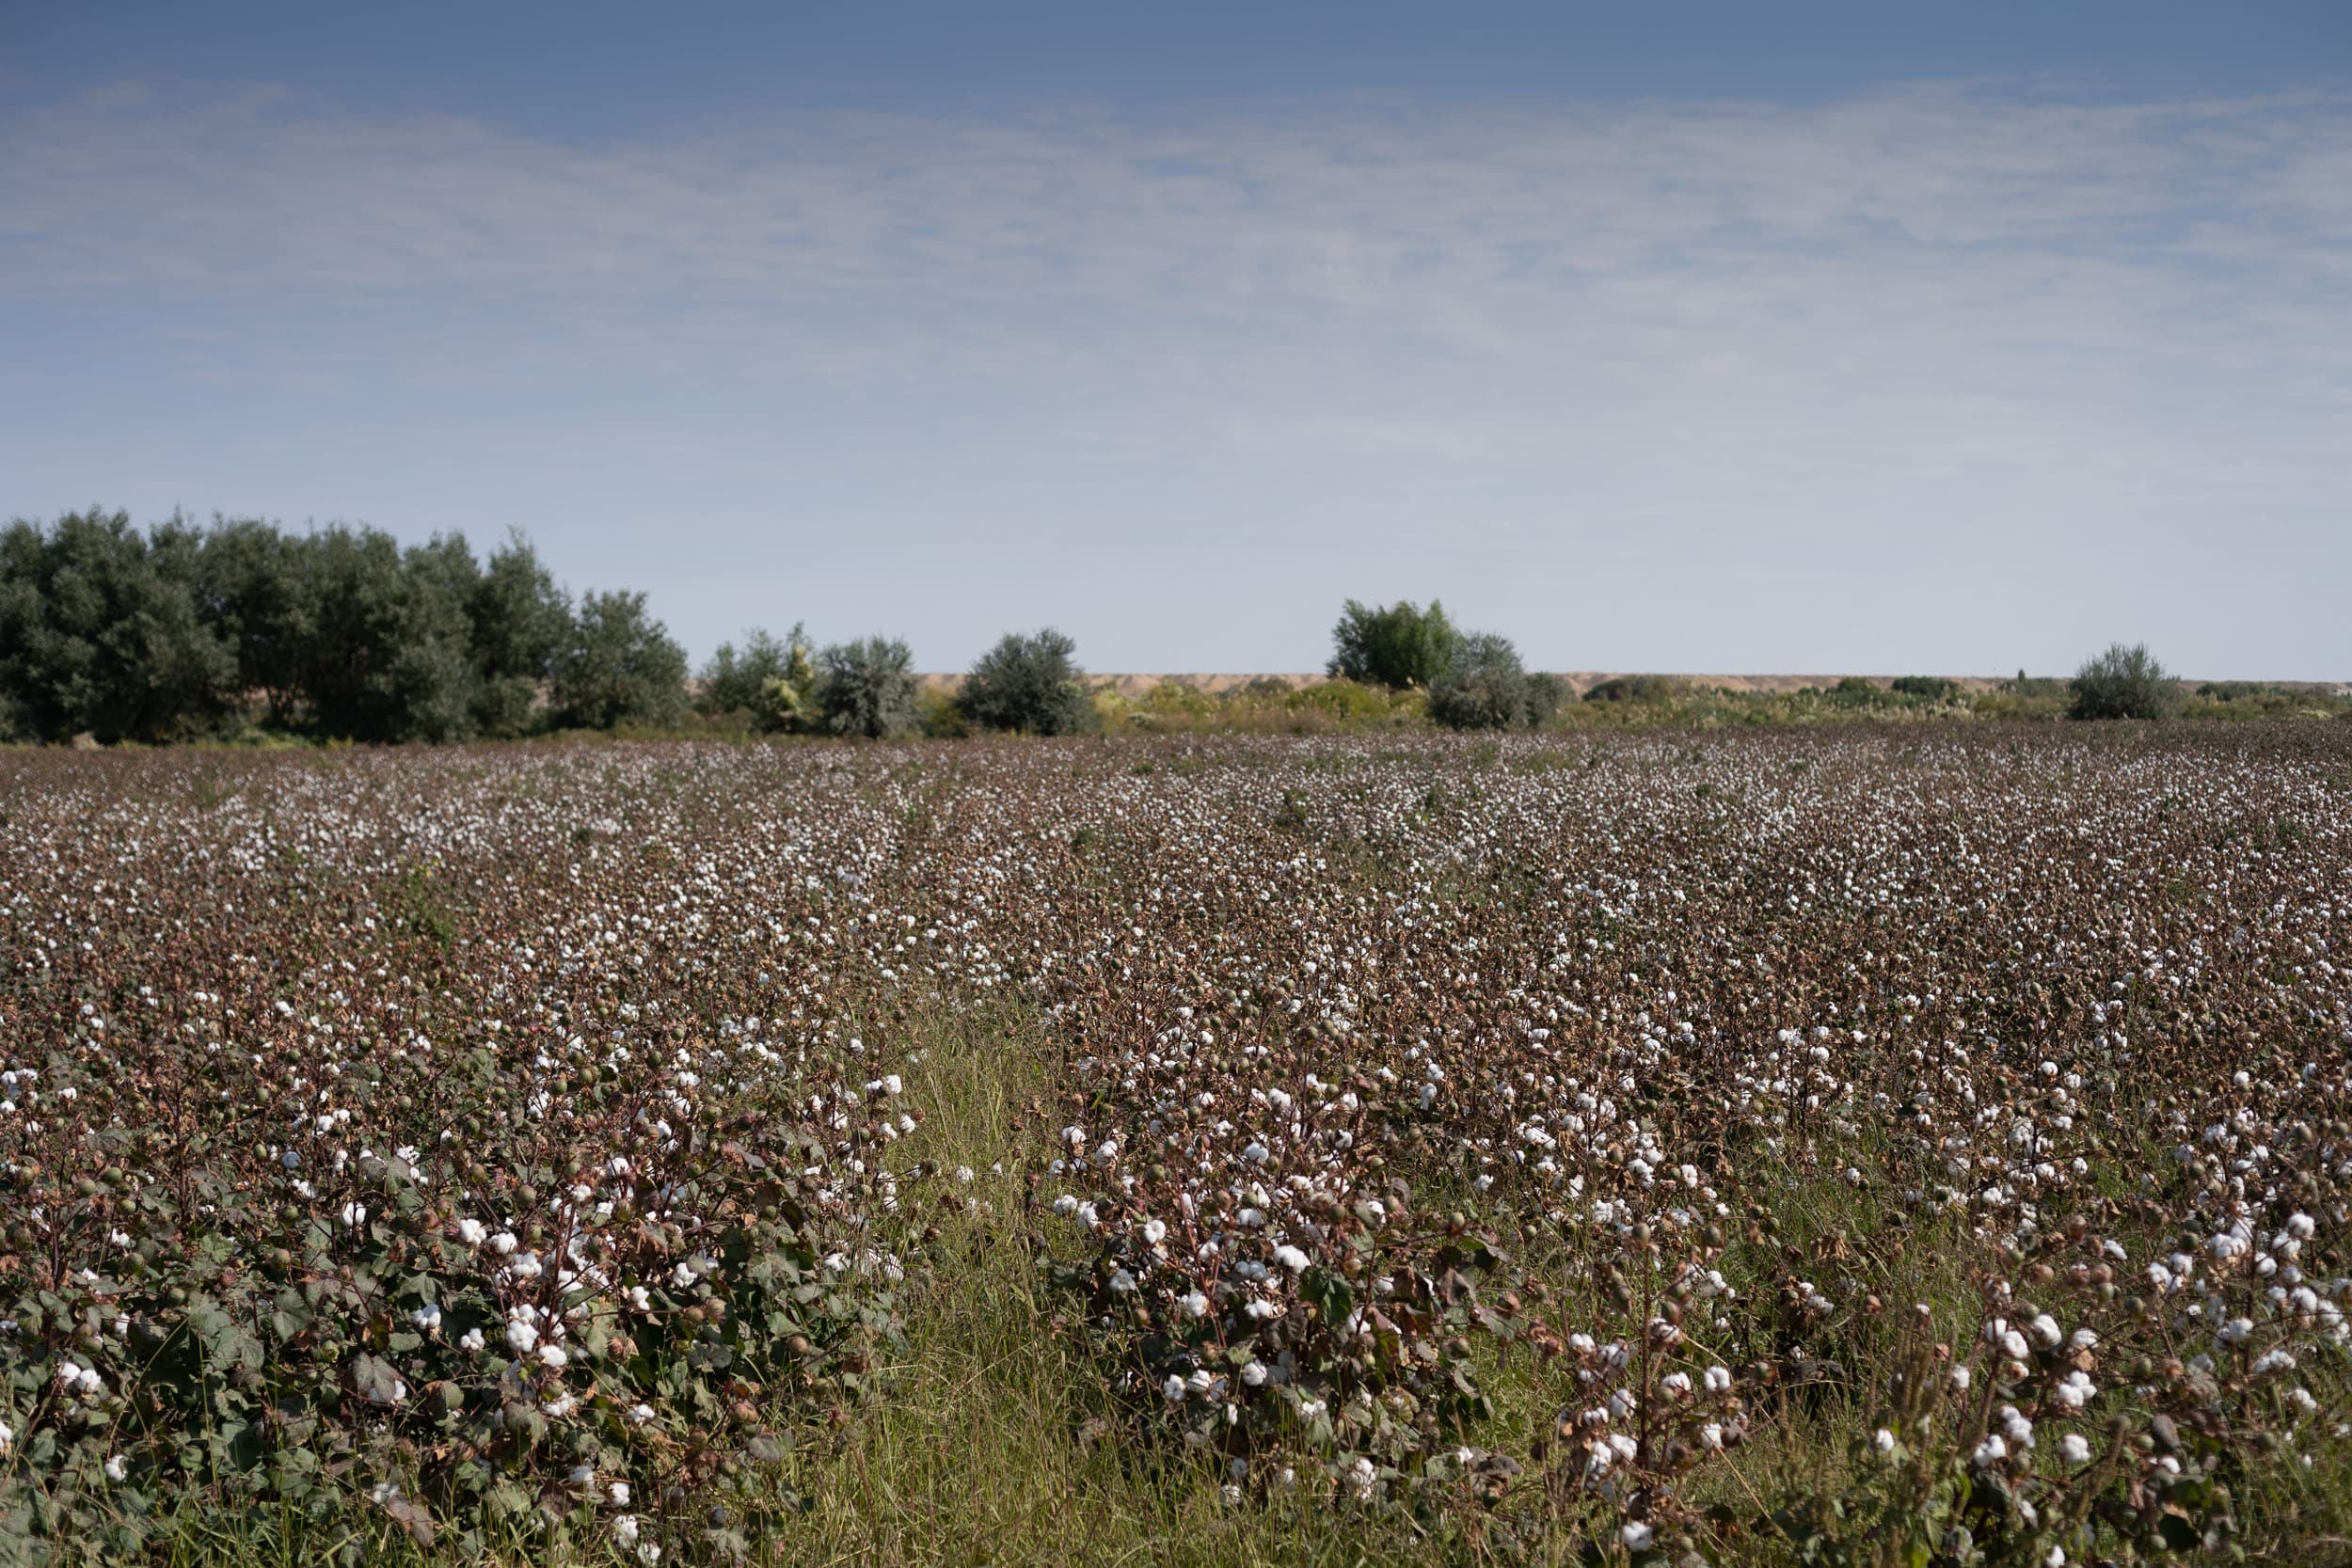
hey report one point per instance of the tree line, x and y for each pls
(185, 631)
(188, 632)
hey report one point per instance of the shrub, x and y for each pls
(2124, 683)
(1030, 684)
(1547, 695)
(772, 682)
(1341, 700)
(868, 688)
(938, 716)
(1395, 645)
(1635, 688)
(1931, 688)
(1856, 691)
(1483, 688)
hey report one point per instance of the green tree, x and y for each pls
(868, 688)
(388, 655)
(772, 681)
(519, 622)
(2124, 683)
(1484, 686)
(100, 631)
(433, 681)
(1029, 684)
(1396, 645)
(252, 592)
(618, 667)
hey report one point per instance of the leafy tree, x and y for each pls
(100, 631)
(1029, 683)
(388, 656)
(868, 688)
(771, 681)
(434, 682)
(1483, 687)
(618, 667)
(2124, 683)
(521, 621)
(251, 589)
(1392, 645)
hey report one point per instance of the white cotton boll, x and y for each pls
(1065, 1206)
(1989, 1453)
(473, 1231)
(1290, 1258)
(2074, 1449)
(504, 1243)
(427, 1317)
(471, 1340)
(1959, 1379)
(2046, 1330)
(1154, 1232)
(1193, 1304)
(1718, 1379)
(1637, 1536)
(521, 1338)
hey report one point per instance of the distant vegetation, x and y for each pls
(189, 632)
(2124, 683)
(238, 630)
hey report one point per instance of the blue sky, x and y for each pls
(1698, 337)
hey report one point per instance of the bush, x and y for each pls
(1483, 687)
(1636, 689)
(1857, 691)
(2124, 683)
(868, 688)
(1930, 688)
(1029, 685)
(771, 682)
(1395, 645)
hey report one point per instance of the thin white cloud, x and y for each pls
(2052, 320)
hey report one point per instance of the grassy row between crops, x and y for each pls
(998, 1441)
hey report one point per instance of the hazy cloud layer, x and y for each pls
(1878, 384)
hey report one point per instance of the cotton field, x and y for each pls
(1661, 1149)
